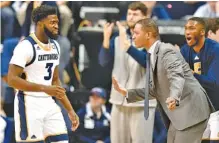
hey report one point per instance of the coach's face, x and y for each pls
(51, 27)
(193, 32)
(139, 36)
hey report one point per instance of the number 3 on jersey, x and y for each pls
(49, 67)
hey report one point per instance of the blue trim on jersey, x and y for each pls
(42, 141)
(56, 138)
(30, 39)
(22, 113)
(55, 45)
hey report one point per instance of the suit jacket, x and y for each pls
(171, 77)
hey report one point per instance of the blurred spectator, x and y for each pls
(8, 19)
(95, 119)
(155, 10)
(73, 74)
(21, 13)
(212, 30)
(65, 17)
(210, 10)
(128, 124)
(180, 9)
(8, 96)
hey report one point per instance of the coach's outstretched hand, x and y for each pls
(118, 88)
(56, 91)
(74, 120)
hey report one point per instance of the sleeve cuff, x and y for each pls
(130, 49)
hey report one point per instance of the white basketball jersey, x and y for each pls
(38, 63)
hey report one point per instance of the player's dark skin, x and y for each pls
(50, 23)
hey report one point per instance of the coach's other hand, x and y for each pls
(171, 103)
(74, 120)
(56, 91)
(118, 88)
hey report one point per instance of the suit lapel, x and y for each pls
(152, 69)
(156, 50)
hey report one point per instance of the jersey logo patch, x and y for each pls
(33, 137)
(38, 48)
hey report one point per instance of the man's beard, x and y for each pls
(49, 34)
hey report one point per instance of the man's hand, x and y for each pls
(125, 43)
(171, 103)
(74, 120)
(107, 32)
(55, 91)
(122, 30)
(117, 87)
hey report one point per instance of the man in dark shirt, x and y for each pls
(95, 119)
(202, 55)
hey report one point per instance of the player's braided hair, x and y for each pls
(42, 12)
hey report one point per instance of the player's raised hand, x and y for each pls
(118, 88)
(74, 119)
(55, 91)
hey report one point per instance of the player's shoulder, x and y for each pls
(24, 44)
(212, 43)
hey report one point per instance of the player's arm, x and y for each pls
(65, 102)
(15, 81)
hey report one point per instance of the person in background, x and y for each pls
(95, 119)
(8, 19)
(156, 11)
(202, 55)
(212, 30)
(65, 17)
(208, 10)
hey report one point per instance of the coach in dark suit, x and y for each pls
(183, 102)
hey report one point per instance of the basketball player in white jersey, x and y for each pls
(33, 71)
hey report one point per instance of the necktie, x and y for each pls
(147, 87)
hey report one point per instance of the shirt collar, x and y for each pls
(152, 48)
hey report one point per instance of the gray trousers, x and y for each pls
(129, 126)
(190, 135)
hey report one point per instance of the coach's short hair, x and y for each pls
(149, 24)
(42, 12)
